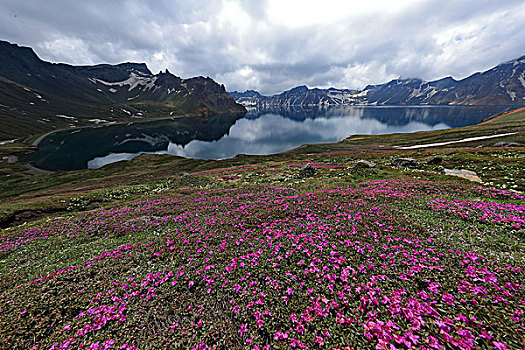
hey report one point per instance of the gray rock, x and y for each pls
(435, 161)
(307, 171)
(507, 144)
(12, 159)
(404, 162)
(462, 173)
(365, 164)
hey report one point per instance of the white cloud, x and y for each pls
(68, 50)
(276, 44)
(301, 13)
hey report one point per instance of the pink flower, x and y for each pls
(319, 340)
(243, 329)
(434, 343)
(485, 334)
(448, 299)
(280, 335)
(500, 345)
(414, 338)
(433, 287)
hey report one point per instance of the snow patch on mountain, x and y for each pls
(74, 119)
(133, 81)
(415, 93)
(521, 78)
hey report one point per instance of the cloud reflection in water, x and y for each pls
(272, 133)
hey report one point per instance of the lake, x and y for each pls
(258, 132)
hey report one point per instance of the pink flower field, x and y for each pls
(385, 265)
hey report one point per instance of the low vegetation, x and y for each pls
(253, 253)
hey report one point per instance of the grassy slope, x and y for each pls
(75, 215)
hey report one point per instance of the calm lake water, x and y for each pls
(263, 132)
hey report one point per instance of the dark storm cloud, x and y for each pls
(267, 46)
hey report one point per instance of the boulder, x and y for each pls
(435, 161)
(404, 162)
(365, 164)
(307, 171)
(462, 173)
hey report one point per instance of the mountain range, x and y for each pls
(501, 85)
(39, 96)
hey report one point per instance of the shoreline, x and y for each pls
(500, 115)
(40, 138)
(43, 136)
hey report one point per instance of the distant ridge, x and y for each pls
(501, 85)
(39, 96)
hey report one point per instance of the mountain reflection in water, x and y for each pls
(259, 132)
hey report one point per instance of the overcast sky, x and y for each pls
(274, 45)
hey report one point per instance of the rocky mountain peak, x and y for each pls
(298, 90)
(501, 85)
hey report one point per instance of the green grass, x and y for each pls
(81, 219)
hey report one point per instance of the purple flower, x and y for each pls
(448, 299)
(500, 345)
(280, 335)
